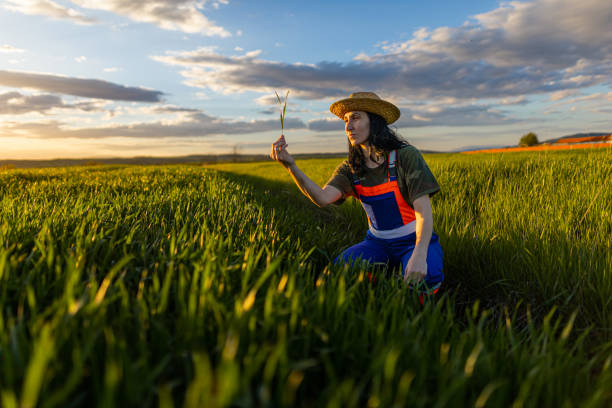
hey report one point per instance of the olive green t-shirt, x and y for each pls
(413, 176)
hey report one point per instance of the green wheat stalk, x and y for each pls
(283, 109)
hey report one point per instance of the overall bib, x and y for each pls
(391, 235)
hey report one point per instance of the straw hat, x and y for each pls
(366, 102)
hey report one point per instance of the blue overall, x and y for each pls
(391, 235)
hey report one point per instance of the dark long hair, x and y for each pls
(382, 138)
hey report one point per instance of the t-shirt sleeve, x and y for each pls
(341, 179)
(414, 176)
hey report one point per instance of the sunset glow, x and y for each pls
(87, 79)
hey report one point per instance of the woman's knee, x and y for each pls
(350, 255)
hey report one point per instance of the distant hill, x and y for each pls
(144, 160)
(576, 136)
(477, 147)
(224, 158)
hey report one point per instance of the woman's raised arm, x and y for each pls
(320, 196)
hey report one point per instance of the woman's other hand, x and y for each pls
(280, 153)
(416, 270)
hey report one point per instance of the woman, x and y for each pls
(393, 183)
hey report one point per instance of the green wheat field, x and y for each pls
(213, 286)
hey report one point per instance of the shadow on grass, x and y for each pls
(499, 273)
(296, 216)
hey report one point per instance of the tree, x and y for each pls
(530, 139)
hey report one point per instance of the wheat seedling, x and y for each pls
(283, 108)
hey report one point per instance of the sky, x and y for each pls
(124, 78)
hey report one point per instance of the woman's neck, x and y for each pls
(368, 153)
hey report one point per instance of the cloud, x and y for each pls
(173, 109)
(430, 115)
(89, 88)
(468, 115)
(10, 49)
(326, 125)
(194, 124)
(48, 8)
(269, 111)
(556, 96)
(553, 33)
(179, 15)
(518, 100)
(597, 99)
(15, 103)
(241, 73)
(267, 100)
(514, 50)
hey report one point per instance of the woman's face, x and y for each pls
(357, 127)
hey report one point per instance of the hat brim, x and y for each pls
(387, 110)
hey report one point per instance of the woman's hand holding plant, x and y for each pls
(280, 153)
